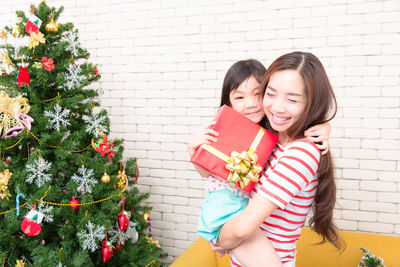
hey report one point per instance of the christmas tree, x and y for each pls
(67, 196)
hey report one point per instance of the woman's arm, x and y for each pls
(245, 224)
(204, 136)
(281, 185)
(319, 134)
(257, 251)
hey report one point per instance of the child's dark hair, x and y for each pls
(239, 72)
(321, 107)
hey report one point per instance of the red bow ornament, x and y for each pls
(23, 77)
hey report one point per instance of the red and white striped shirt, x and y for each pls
(290, 181)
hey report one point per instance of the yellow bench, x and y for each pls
(308, 253)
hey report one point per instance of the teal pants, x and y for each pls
(218, 208)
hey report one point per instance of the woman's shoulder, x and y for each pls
(304, 143)
(303, 147)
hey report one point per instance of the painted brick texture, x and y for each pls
(163, 62)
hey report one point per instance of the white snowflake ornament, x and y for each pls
(117, 236)
(90, 238)
(73, 78)
(37, 172)
(57, 118)
(47, 212)
(73, 44)
(95, 124)
(17, 43)
(84, 180)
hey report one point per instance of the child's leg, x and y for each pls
(257, 251)
(218, 208)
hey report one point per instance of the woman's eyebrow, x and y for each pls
(295, 94)
(291, 94)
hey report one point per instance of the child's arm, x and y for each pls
(204, 136)
(319, 134)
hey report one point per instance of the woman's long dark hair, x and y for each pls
(238, 73)
(321, 107)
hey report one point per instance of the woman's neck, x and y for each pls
(284, 139)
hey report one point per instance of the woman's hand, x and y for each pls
(319, 134)
(219, 250)
(204, 136)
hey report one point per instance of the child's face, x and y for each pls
(284, 99)
(247, 99)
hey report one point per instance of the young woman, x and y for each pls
(242, 91)
(298, 95)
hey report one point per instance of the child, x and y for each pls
(297, 95)
(242, 91)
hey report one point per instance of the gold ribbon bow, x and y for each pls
(243, 167)
(10, 108)
(4, 178)
(123, 179)
(5, 59)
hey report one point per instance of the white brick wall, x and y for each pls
(163, 62)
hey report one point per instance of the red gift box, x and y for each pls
(236, 133)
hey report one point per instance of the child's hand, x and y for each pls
(319, 134)
(220, 250)
(204, 136)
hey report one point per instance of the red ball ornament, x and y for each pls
(23, 77)
(74, 202)
(95, 71)
(106, 251)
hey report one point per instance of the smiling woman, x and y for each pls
(284, 101)
(243, 90)
(297, 177)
